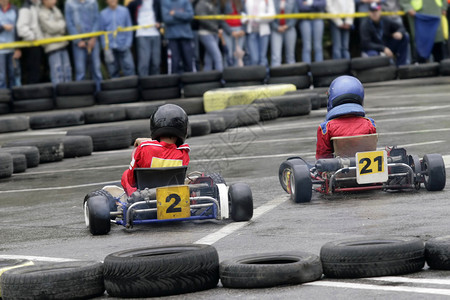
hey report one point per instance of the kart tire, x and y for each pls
(106, 138)
(201, 77)
(198, 89)
(267, 111)
(121, 83)
(241, 202)
(6, 165)
(437, 253)
(200, 127)
(324, 81)
(56, 119)
(102, 193)
(300, 82)
(161, 93)
(104, 114)
(161, 271)
(216, 123)
(297, 69)
(31, 154)
(233, 84)
(68, 280)
(300, 185)
(19, 163)
(444, 67)
(76, 101)
(76, 88)
(33, 91)
(97, 214)
(192, 106)
(118, 96)
(77, 145)
(371, 257)
(242, 74)
(289, 105)
(159, 81)
(367, 63)
(270, 269)
(142, 110)
(434, 172)
(377, 74)
(9, 264)
(330, 67)
(50, 149)
(32, 105)
(418, 71)
(13, 124)
(283, 168)
(5, 108)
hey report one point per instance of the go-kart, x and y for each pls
(163, 196)
(358, 166)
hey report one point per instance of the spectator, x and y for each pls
(311, 30)
(28, 29)
(340, 27)
(148, 40)
(196, 43)
(208, 34)
(427, 7)
(392, 6)
(233, 30)
(9, 58)
(283, 33)
(82, 16)
(52, 24)
(177, 16)
(118, 56)
(382, 36)
(258, 29)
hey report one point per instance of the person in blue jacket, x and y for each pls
(311, 30)
(118, 57)
(9, 58)
(283, 33)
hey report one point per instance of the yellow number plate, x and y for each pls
(371, 167)
(173, 202)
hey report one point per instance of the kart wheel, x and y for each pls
(285, 169)
(434, 172)
(97, 215)
(437, 252)
(241, 202)
(300, 184)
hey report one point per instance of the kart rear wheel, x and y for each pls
(285, 168)
(97, 215)
(434, 172)
(241, 202)
(300, 184)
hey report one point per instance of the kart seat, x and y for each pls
(158, 177)
(348, 146)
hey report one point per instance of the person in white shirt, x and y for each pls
(340, 27)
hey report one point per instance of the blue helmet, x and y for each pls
(345, 97)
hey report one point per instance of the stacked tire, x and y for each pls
(418, 71)
(5, 101)
(119, 90)
(160, 87)
(244, 76)
(324, 72)
(296, 74)
(32, 97)
(373, 69)
(196, 84)
(75, 94)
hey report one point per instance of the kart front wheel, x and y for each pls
(300, 184)
(241, 202)
(434, 172)
(97, 215)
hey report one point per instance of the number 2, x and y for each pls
(173, 207)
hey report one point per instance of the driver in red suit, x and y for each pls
(346, 115)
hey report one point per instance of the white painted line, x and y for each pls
(423, 143)
(233, 227)
(412, 280)
(61, 187)
(37, 258)
(359, 286)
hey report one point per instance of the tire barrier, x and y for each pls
(9, 264)
(192, 106)
(297, 69)
(326, 71)
(13, 124)
(31, 154)
(418, 71)
(142, 110)
(75, 94)
(119, 90)
(56, 119)
(216, 123)
(106, 138)
(77, 145)
(32, 97)
(437, 253)
(6, 165)
(160, 87)
(376, 74)
(5, 101)
(290, 105)
(50, 149)
(196, 84)
(31, 105)
(104, 114)
(19, 163)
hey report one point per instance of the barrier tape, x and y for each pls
(24, 44)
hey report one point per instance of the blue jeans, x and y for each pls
(149, 55)
(213, 58)
(9, 71)
(312, 34)
(123, 60)
(340, 39)
(182, 50)
(288, 39)
(81, 56)
(257, 47)
(60, 67)
(232, 44)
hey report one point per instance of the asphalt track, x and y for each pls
(41, 215)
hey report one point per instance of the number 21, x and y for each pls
(365, 169)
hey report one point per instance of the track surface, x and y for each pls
(41, 214)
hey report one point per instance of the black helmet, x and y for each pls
(169, 120)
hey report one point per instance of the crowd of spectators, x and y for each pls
(231, 42)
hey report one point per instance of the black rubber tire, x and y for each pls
(32, 105)
(76, 88)
(370, 257)
(330, 67)
(289, 105)
(77, 145)
(161, 271)
(64, 102)
(437, 253)
(192, 106)
(127, 82)
(5, 108)
(297, 69)
(106, 138)
(13, 124)
(241, 202)
(444, 67)
(142, 110)
(316, 102)
(198, 89)
(118, 96)
(267, 111)
(270, 269)
(31, 154)
(50, 149)
(434, 172)
(377, 74)
(300, 82)
(139, 130)
(6, 264)
(418, 71)
(56, 119)
(233, 84)
(33, 91)
(300, 184)
(6, 165)
(97, 209)
(19, 163)
(324, 81)
(247, 73)
(5, 96)
(159, 81)
(216, 122)
(201, 77)
(366, 63)
(200, 127)
(161, 93)
(103, 193)
(285, 165)
(104, 114)
(68, 280)
(239, 115)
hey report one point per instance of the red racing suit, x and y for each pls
(154, 154)
(346, 125)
